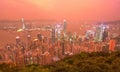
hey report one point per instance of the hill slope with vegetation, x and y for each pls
(83, 62)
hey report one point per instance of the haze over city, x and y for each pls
(75, 10)
(59, 35)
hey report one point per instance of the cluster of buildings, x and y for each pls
(60, 44)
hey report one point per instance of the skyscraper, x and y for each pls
(65, 27)
(99, 33)
(23, 24)
(53, 35)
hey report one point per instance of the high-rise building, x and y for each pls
(53, 35)
(99, 33)
(58, 29)
(23, 24)
(65, 27)
(39, 36)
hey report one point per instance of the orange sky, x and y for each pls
(96, 10)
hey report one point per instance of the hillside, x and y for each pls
(83, 62)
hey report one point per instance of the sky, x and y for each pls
(96, 10)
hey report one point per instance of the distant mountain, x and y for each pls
(110, 22)
(41, 20)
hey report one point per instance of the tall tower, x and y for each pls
(23, 24)
(53, 35)
(99, 33)
(65, 27)
(58, 31)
